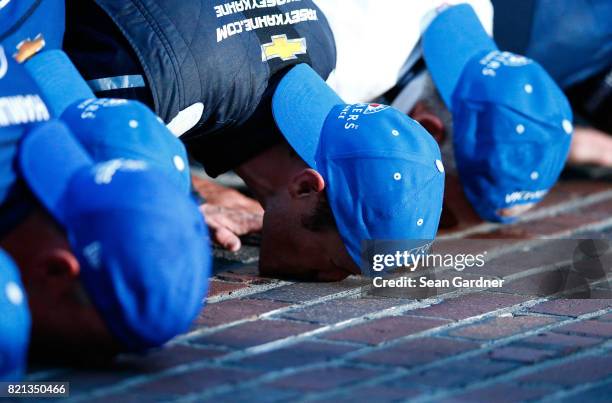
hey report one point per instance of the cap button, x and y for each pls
(520, 129)
(179, 163)
(567, 126)
(133, 124)
(535, 175)
(528, 88)
(14, 293)
(440, 166)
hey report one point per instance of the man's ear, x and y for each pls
(429, 120)
(306, 183)
(60, 263)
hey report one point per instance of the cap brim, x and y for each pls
(300, 106)
(49, 157)
(59, 81)
(450, 42)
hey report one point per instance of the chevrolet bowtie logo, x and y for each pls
(28, 48)
(283, 48)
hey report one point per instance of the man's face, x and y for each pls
(291, 249)
(65, 325)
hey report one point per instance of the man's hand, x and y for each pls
(227, 224)
(228, 213)
(591, 146)
(222, 196)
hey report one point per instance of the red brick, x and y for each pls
(501, 327)
(168, 357)
(259, 394)
(254, 333)
(503, 393)
(217, 288)
(378, 393)
(542, 255)
(301, 354)
(540, 284)
(598, 394)
(84, 380)
(563, 342)
(588, 369)
(588, 327)
(571, 307)
(325, 379)
(235, 309)
(246, 274)
(520, 354)
(606, 318)
(190, 382)
(301, 292)
(417, 352)
(460, 373)
(380, 330)
(577, 189)
(554, 225)
(342, 309)
(469, 305)
(463, 216)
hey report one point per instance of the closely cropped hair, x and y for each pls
(322, 218)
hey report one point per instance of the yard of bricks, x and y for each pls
(267, 340)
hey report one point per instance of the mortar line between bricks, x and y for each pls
(250, 290)
(347, 357)
(543, 213)
(277, 344)
(521, 371)
(555, 397)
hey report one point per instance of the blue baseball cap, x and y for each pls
(140, 240)
(15, 321)
(107, 128)
(383, 171)
(117, 128)
(512, 124)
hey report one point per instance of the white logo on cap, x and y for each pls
(91, 106)
(3, 62)
(496, 59)
(3, 3)
(106, 170)
(525, 196)
(375, 108)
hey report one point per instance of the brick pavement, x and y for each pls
(267, 340)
